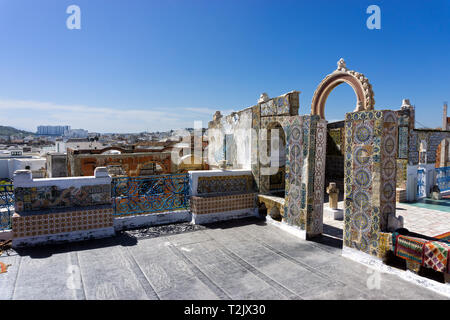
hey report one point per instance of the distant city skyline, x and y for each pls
(152, 66)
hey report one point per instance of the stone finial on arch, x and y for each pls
(359, 83)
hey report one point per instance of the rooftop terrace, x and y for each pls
(240, 259)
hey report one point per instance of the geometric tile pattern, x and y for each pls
(410, 248)
(61, 222)
(207, 204)
(435, 256)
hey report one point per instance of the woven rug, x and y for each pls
(4, 267)
(410, 248)
(443, 237)
(435, 256)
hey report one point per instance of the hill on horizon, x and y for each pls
(10, 131)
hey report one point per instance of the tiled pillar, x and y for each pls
(370, 177)
(305, 171)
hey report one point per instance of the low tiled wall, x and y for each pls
(218, 195)
(204, 182)
(56, 193)
(60, 222)
(208, 204)
(61, 209)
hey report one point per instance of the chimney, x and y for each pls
(444, 117)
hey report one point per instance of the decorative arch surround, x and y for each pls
(359, 83)
(305, 152)
(268, 123)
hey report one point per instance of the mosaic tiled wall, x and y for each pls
(402, 166)
(403, 136)
(276, 181)
(315, 224)
(62, 222)
(277, 110)
(265, 123)
(53, 197)
(432, 138)
(256, 124)
(225, 184)
(305, 167)
(370, 177)
(296, 166)
(225, 203)
(388, 167)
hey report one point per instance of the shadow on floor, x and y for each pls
(332, 237)
(130, 237)
(43, 251)
(332, 231)
(327, 241)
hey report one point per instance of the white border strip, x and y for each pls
(295, 231)
(377, 264)
(206, 218)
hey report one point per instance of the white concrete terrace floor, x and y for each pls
(246, 259)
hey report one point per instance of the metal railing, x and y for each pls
(6, 206)
(443, 178)
(140, 195)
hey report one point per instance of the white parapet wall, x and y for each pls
(59, 210)
(66, 237)
(224, 216)
(24, 179)
(34, 195)
(194, 175)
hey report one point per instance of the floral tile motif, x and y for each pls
(52, 197)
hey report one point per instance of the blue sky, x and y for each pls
(157, 65)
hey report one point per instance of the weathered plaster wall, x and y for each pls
(230, 139)
(56, 165)
(82, 164)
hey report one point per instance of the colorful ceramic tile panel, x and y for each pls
(403, 133)
(276, 107)
(206, 205)
(294, 173)
(225, 184)
(52, 197)
(319, 178)
(61, 222)
(371, 147)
